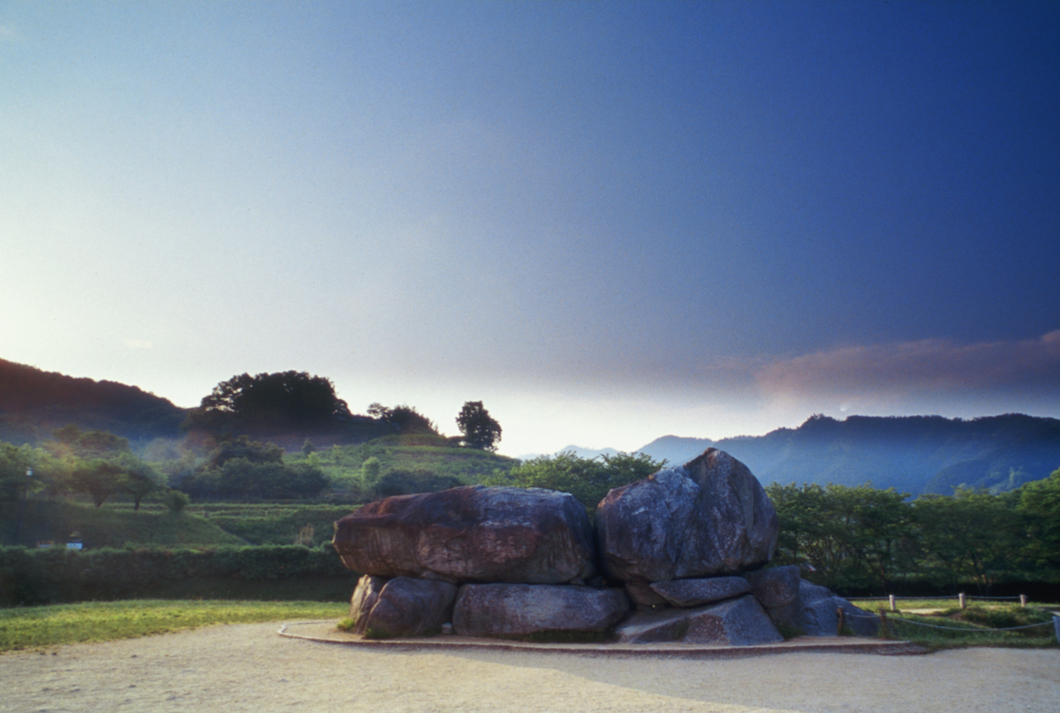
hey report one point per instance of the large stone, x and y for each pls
(365, 595)
(816, 613)
(775, 587)
(696, 592)
(516, 610)
(708, 517)
(402, 607)
(736, 622)
(471, 534)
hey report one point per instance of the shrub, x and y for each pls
(31, 576)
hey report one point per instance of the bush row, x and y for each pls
(46, 576)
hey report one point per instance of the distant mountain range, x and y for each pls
(913, 454)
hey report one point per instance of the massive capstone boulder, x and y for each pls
(708, 517)
(519, 610)
(471, 534)
(401, 607)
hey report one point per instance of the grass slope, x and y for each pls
(342, 464)
(109, 526)
(38, 627)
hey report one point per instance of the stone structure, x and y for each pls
(471, 534)
(685, 545)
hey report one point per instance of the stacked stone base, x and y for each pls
(734, 611)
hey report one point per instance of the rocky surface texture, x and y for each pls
(517, 610)
(737, 622)
(708, 517)
(694, 592)
(683, 547)
(471, 534)
(401, 606)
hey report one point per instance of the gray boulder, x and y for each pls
(365, 595)
(814, 612)
(696, 592)
(817, 613)
(708, 517)
(776, 587)
(515, 610)
(401, 607)
(471, 534)
(736, 622)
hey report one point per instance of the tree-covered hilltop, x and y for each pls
(33, 403)
(915, 454)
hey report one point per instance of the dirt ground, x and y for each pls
(249, 667)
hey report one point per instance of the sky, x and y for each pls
(607, 221)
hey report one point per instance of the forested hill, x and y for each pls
(33, 403)
(914, 454)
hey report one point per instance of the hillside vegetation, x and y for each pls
(33, 403)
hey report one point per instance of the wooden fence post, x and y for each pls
(839, 621)
(883, 624)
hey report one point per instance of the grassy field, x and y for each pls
(274, 524)
(109, 526)
(40, 627)
(342, 464)
(200, 525)
(942, 624)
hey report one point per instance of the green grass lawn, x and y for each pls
(39, 627)
(949, 626)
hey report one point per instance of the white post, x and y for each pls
(892, 598)
(960, 599)
(1023, 601)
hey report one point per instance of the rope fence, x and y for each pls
(886, 622)
(1017, 597)
(962, 599)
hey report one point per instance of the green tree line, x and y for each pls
(881, 541)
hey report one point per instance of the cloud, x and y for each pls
(931, 367)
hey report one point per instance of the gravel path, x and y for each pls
(249, 667)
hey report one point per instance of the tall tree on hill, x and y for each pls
(479, 428)
(406, 419)
(281, 400)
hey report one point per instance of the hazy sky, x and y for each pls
(607, 221)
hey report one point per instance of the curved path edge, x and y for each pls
(328, 633)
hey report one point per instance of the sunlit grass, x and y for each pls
(977, 625)
(38, 627)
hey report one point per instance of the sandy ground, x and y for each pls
(250, 668)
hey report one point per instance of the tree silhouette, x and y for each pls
(479, 428)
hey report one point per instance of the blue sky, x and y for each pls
(607, 221)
